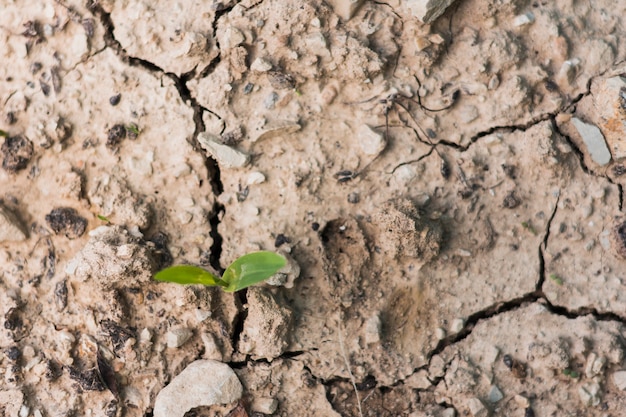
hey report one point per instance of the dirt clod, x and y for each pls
(18, 151)
(67, 221)
(115, 135)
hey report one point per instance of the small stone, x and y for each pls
(264, 405)
(11, 228)
(232, 37)
(440, 333)
(371, 142)
(373, 328)
(428, 10)
(468, 114)
(522, 401)
(524, 19)
(477, 408)
(255, 177)
(211, 348)
(225, 155)
(457, 325)
(418, 380)
(178, 336)
(589, 394)
(594, 140)
(202, 383)
(345, 9)
(567, 73)
(261, 65)
(18, 151)
(448, 412)
(495, 394)
(619, 378)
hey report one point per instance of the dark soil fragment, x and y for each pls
(117, 334)
(162, 256)
(108, 374)
(89, 380)
(68, 221)
(17, 153)
(60, 294)
(281, 240)
(115, 136)
(619, 239)
(511, 201)
(115, 100)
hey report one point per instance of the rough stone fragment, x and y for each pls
(609, 104)
(178, 336)
(202, 383)
(405, 233)
(619, 378)
(264, 405)
(345, 8)
(428, 10)
(118, 203)
(128, 260)
(225, 155)
(594, 140)
(266, 329)
(11, 228)
(373, 327)
(371, 142)
(477, 408)
(589, 394)
(524, 19)
(495, 394)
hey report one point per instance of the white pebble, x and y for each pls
(178, 336)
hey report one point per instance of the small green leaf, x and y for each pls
(3, 133)
(103, 218)
(188, 274)
(133, 128)
(251, 269)
(557, 279)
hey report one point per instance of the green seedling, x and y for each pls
(247, 270)
(133, 129)
(529, 227)
(103, 218)
(3, 134)
(557, 279)
(571, 373)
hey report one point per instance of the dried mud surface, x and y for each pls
(454, 228)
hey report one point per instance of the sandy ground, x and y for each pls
(449, 196)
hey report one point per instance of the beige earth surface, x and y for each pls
(449, 196)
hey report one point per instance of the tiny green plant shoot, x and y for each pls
(247, 270)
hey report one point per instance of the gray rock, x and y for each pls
(177, 337)
(428, 10)
(201, 383)
(11, 228)
(589, 394)
(371, 142)
(477, 408)
(345, 8)
(264, 405)
(619, 378)
(594, 140)
(495, 394)
(225, 155)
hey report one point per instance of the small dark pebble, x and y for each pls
(281, 81)
(115, 135)
(10, 118)
(353, 198)
(108, 374)
(35, 67)
(444, 169)
(53, 370)
(508, 361)
(45, 87)
(242, 194)
(89, 380)
(13, 353)
(247, 89)
(60, 294)
(116, 333)
(315, 226)
(115, 100)
(509, 170)
(529, 412)
(66, 220)
(281, 240)
(12, 319)
(511, 201)
(619, 170)
(551, 86)
(161, 253)
(17, 153)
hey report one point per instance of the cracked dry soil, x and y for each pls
(465, 260)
